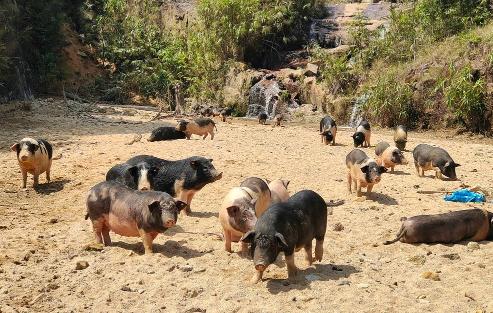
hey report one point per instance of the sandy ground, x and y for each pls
(43, 233)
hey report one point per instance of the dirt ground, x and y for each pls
(43, 233)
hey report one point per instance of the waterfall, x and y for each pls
(356, 117)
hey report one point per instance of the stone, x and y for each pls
(451, 256)
(94, 247)
(363, 286)
(81, 265)
(430, 275)
(471, 246)
(338, 227)
(417, 259)
(311, 70)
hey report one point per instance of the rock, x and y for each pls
(338, 227)
(81, 265)
(136, 138)
(417, 259)
(125, 288)
(471, 246)
(362, 286)
(53, 221)
(430, 275)
(343, 283)
(421, 297)
(311, 69)
(451, 256)
(94, 247)
(264, 97)
(186, 268)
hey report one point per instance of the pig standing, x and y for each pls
(240, 209)
(139, 176)
(388, 156)
(279, 190)
(277, 120)
(362, 171)
(34, 157)
(362, 135)
(400, 137)
(201, 126)
(112, 206)
(328, 130)
(473, 224)
(182, 178)
(286, 227)
(262, 118)
(166, 133)
(428, 157)
(225, 113)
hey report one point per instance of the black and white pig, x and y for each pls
(328, 130)
(427, 157)
(362, 171)
(362, 135)
(114, 207)
(34, 157)
(286, 227)
(139, 176)
(166, 133)
(182, 178)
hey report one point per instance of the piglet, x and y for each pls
(201, 126)
(114, 207)
(389, 156)
(362, 171)
(34, 157)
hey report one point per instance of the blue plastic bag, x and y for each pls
(465, 195)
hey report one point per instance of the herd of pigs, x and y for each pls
(144, 196)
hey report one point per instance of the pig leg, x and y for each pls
(358, 188)
(438, 174)
(212, 135)
(227, 241)
(24, 177)
(319, 249)
(369, 188)
(97, 227)
(349, 182)
(146, 240)
(323, 141)
(48, 172)
(205, 136)
(309, 256)
(334, 141)
(106, 235)
(244, 248)
(257, 277)
(188, 209)
(392, 168)
(292, 269)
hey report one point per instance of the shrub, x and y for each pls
(465, 95)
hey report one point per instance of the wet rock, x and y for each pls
(81, 265)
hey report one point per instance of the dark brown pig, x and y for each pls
(286, 227)
(427, 157)
(452, 227)
(362, 171)
(262, 118)
(201, 126)
(278, 119)
(114, 207)
(389, 156)
(240, 209)
(34, 157)
(400, 137)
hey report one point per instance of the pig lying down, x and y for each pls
(389, 156)
(240, 209)
(427, 157)
(114, 207)
(362, 171)
(286, 227)
(182, 178)
(139, 176)
(166, 133)
(452, 227)
(34, 157)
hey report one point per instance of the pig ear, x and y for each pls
(210, 160)
(382, 169)
(154, 170)
(15, 147)
(180, 205)
(281, 241)
(364, 169)
(253, 202)
(154, 206)
(194, 164)
(248, 237)
(133, 171)
(285, 183)
(233, 210)
(456, 164)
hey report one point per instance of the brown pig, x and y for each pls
(389, 156)
(34, 157)
(400, 137)
(201, 126)
(473, 225)
(362, 171)
(112, 206)
(279, 190)
(240, 209)
(277, 120)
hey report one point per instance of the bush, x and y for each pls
(465, 95)
(389, 102)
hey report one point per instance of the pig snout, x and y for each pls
(169, 223)
(216, 175)
(24, 158)
(260, 267)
